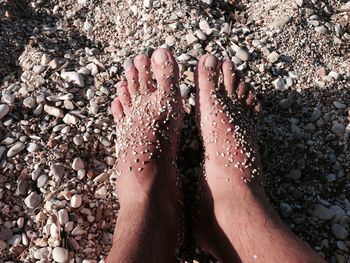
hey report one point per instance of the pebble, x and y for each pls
(4, 109)
(334, 75)
(295, 174)
(32, 147)
(42, 253)
(208, 2)
(273, 57)
(321, 29)
(339, 231)
(76, 201)
(38, 69)
(338, 129)
(101, 193)
(88, 26)
(201, 35)
(279, 83)
(323, 212)
(57, 170)
(78, 164)
(33, 200)
(70, 119)
(15, 149)
(339, 105)
(315, 115)
(184, 90)
(339, 212)
(60, 254)
(8, 99)
(45, 59)
(42, 180)
(191, 39)
(242, 54)
(63, 217)
(72, 76)
(54, 111)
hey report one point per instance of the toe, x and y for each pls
(241, 88)
(229, 76)
(257, 109)
(250, 98)
(143, 66)
(166, 70)
(132, 77)
(124, 95)
(117, 109)
(207, 73)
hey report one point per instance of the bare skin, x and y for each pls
(235, 221)
(148, 118)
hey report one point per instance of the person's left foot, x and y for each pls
(148, 119)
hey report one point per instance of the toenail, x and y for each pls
(211, 61)
(160, 56)
(128, 63)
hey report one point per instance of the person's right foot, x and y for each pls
(234, 214)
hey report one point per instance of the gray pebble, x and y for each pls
(4, 109)
(323, 212)
(33, 200)
(321, 29)
(78, 164)
(339, 231)
(42, 180)
(74, 77)
(15, 149)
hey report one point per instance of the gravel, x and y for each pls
(57, 138)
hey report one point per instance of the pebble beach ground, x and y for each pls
(59, 65)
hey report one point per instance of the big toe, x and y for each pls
(207, 73)
(166, 71)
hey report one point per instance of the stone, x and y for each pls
(76, 201)
(204, 26)
(191, 39)
(339, 105)
(70, 119)
(57, 170)
(29, 102)
(315, 115)
(42, 253)
(15, 149)
(280, 22)
(242, 54)
(8, 98)
(286, 210)
(208, 2)
(286, 103)
(170, 41)
(331, 177)
(321, 29)
(63, 217)
(334, 75)
(201, 35)
(340, 231)
(4, 109)
(32, 200)
(60, 254)
(38, 69)
(54, 64)
(45, 59)
(183, 58)
(88, 26)
(279, 83)
(32, 147)
(323, 212)
(295, 174)
(101, 193)
(338, 129)
(5, 234)
(147, 4)
(74, 77)
(184, 90)
(78, 164)
(273, 57)
(42, 180)
(53, 111)
(339, 212)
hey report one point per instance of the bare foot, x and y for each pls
(235, 221)
(149, 119)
